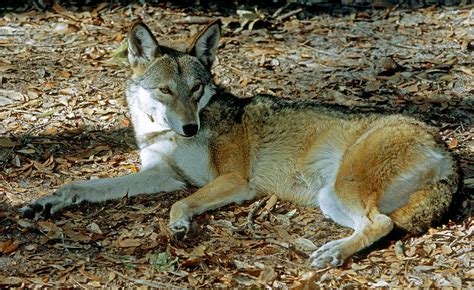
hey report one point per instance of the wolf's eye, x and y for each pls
(165, 91)
(196, 88)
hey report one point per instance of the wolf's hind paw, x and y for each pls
(325, 259)
(329, 254)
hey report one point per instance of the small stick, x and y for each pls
(144, 282)
(289, 14)
(194, 20)
(280, 10)
(250, 217)
(320, 51)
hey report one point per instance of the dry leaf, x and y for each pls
(412, 88)
(267, 276)
(6, 143)
(8, 247)
(198, 251)
(453, 144)
(12, 280)
(445, 249)
(245, 280)
(304, 244)
(77, 236)
(467, 71)
(126, 243)
(94, 228)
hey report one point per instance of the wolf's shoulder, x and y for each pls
(268, 104)
(229, 106)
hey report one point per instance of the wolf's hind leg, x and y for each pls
(368, 223)
(151, 180)
(426, 205)
(368, 230)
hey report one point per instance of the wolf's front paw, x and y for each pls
(48, 205)
(179, 228)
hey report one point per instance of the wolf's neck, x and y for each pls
(147, 130)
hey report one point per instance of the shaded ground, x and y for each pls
(63, 118)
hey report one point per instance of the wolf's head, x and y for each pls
(170, 86)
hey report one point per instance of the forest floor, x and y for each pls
(64, 118)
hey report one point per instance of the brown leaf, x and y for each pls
(47, 226)
(467, 71)
(267, 276)
(65, 74)
(6, 143)
(304, 244)
(94, 228)
(127, 243)
(5, 67)
(27, 151)
(51, 230)
(99, 8)
(453, 144)
(118, 37)
(94, 151)
(77, 236)
(445, 249)
(191, 262)
(245, 280)
(12, 280)
(412, 88)
(199, 251)
(89, 276)
(9, 97)
(9, 246)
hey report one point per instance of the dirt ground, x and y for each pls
(63, 118)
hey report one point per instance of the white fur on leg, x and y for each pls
(329, 254)
(147, 181)
(366, 232)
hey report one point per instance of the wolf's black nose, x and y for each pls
(190, 129)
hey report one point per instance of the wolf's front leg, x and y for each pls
(151, 180)
(221, 191)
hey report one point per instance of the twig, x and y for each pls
(250, 217)
(65, 247)
(28, 132)
(95, 213)
(280, 10)
(271, 202)
(320, 51)
(23, 139)
(61, 11)
(241, 73)
(144, 282)
(78, 283)
(253, 212)
(279, 243)
(236, 70)
(6, 157)
(409, 47)
(194, 20)
(289, 14)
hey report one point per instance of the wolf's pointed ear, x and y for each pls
(204, 44)
(142, 45)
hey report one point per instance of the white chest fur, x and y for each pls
(192, 158)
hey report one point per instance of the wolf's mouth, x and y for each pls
(186, 136)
